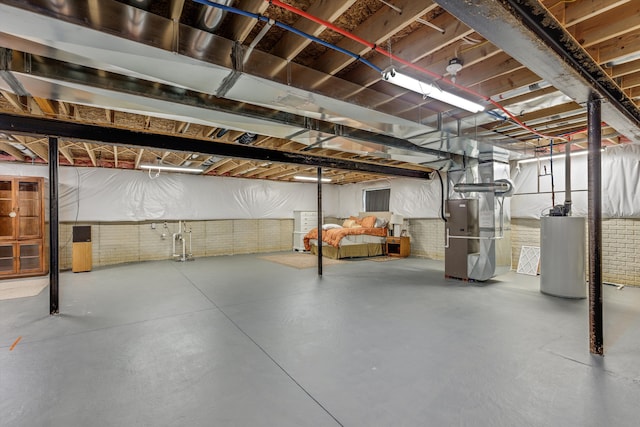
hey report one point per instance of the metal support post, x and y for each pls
(319, 221)
(595, 226)
(54, 265)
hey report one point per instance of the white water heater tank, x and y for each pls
(562, 256)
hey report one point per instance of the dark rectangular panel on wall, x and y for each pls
(81, 233)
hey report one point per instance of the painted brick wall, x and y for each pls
(115, 243)
(620, 247)
(524, 232)
(427, 237)
(621, 251)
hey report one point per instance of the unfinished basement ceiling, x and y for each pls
(241, 76)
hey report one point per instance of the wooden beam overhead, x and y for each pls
(91, 154)
(19, 103)
(139, 158)
(37, 147)
(64, 150)
(12, 151)
(241, 26)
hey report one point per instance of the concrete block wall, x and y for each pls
(621, 251)
(620, 247)
(524, 232)
(427, 237)
(121, 242)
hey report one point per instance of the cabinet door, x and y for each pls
(7, 259)
(7, 210)
(29, 257)
(29, 209)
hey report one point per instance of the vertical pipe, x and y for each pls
(319, 221)
(553, 187)
(567, 179)
(54, 267)
(595, 227)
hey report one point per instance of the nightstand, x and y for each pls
(398, 246)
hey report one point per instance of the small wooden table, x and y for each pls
(398, 246)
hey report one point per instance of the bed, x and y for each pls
(361, 236)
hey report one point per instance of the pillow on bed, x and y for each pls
(348, 223)
(356, 219)
(381, 223)
(330, 226)
(368, 221)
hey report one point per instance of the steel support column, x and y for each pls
(567, 179)
(54, 267)
(319, 246)
(596, 344)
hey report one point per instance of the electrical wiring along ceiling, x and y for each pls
(306, 77)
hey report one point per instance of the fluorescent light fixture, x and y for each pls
(170, 168)
(429, 90)
(555, 156)
(310, 178)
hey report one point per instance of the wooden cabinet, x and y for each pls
(81, 258)
(398, 246)
(21, 226)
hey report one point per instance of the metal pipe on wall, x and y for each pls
(594, 169)
(567, 179)
(54, 263)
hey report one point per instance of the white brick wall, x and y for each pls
(620, 247)
(427, 237)
(115, 243)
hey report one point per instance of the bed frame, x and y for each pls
(355, 250)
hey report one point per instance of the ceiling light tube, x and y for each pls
(431, 91)
(170, 168)
(310, 178)
(555, 156)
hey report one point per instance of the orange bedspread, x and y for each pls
(334, 235)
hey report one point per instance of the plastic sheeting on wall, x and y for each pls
(620, 185)
(96, 194)
(412, 198)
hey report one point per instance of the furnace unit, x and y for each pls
(462, 231)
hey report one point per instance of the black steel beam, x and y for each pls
(542, 23)
(594, 171)
(109, 135)
(530, 34)
(319, 245)
(54, 247)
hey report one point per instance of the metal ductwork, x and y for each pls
(344, 115)
(210, 17)
(478, 230)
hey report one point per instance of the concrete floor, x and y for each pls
(240, 341)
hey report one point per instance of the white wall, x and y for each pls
(95, 194)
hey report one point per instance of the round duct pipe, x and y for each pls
(210, 18)
(503, 187)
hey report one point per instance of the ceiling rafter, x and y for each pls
(12, 151)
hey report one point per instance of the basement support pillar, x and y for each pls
(319, 246)
(596, 344)
(54, 264)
